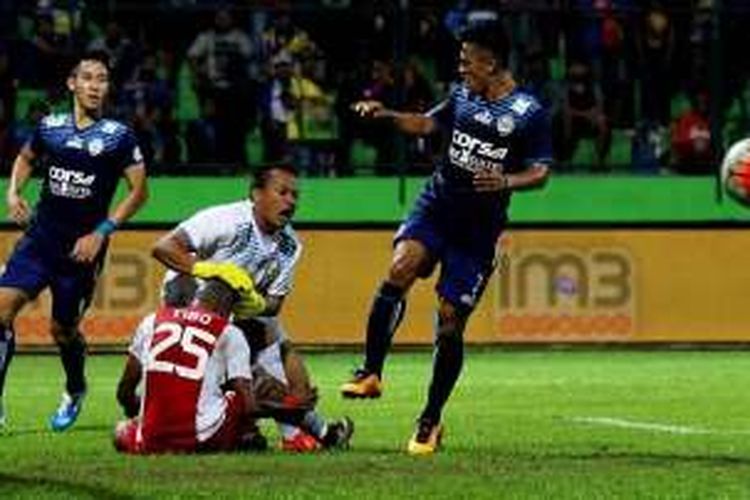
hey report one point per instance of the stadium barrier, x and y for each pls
(551, 285)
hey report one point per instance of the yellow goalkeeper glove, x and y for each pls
(228, 272)
(251, 304)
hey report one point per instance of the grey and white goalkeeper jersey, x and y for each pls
(229, 232)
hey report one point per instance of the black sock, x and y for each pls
(7, 349)
(73, 355)
(446, 367)
(385, 315)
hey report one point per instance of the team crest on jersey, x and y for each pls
(110, 127)
(55, 120)
(268, 270)
(521, 105)
(483, 117)
(506, 124)
(95, 146)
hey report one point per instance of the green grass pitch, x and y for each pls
(521, 424)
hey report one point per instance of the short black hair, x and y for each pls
(263, 173)
(92, 55)
(217, 295)
(179, 291)
(489, 35)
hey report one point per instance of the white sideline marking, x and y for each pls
(653, 426)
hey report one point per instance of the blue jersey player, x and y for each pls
(80, 158)
(498, 142)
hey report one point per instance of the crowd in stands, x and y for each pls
(211, 86)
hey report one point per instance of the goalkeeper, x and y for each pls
(254, 234)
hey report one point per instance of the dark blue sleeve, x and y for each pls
(128, 152)
(35, 142)
(443, 112)
(537, 141)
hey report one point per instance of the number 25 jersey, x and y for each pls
(186, 354)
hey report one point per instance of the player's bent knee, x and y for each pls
(411, 260)
(406, 268)
(402, 274)
(11, 302)
(65, 334)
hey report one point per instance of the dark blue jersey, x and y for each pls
(508, 135)
(80, 170)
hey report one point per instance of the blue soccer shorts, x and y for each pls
(32, 268)
(466, 255)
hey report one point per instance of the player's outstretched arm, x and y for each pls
(410, 123)
(18, 208)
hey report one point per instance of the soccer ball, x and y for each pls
(735, 171)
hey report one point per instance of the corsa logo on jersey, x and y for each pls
(70, 183)
(470, 153)
(567, 294)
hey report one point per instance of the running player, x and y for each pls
(499, 142)
(80, 157)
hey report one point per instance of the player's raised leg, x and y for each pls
(386, 312)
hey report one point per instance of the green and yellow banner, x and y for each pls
(562, 285)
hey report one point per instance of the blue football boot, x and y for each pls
(67, 412)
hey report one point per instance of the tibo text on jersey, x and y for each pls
(70, 183)
(473, 154)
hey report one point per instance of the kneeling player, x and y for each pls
(279, 373)
(213, 410)
(197, 384)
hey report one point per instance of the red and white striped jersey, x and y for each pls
(186, 354)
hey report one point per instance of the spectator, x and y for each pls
(418, 98)
(378, 133)
(122, 52)
(656, 45)
(7, 105)
(616, 62)
(201, 135)
(283, 36)
(692, 148)
(348, 90)
(46, 55)
(23, 127)
(537, 80)
(582, 114)
(292, 104)
(148, 102)
(220, 59)
(277, 105)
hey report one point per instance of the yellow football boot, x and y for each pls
(426, 439)
(362, 385)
